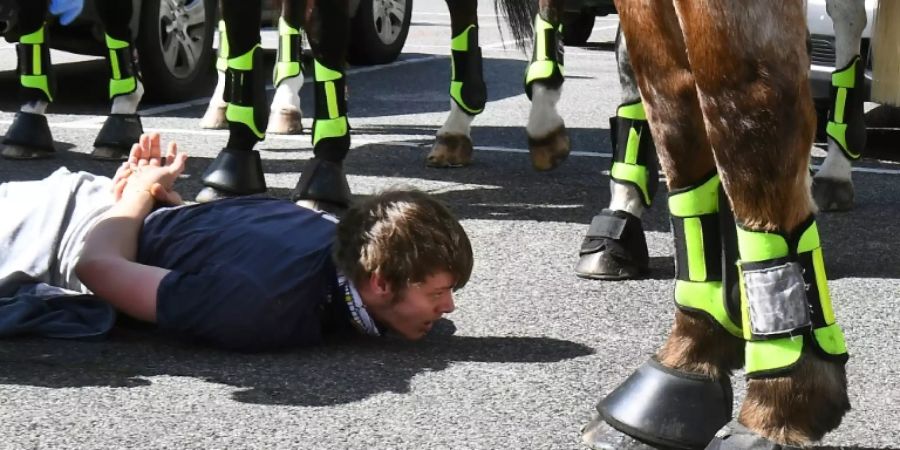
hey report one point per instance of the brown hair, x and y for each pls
(405, 236)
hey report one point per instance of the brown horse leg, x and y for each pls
(749, 62)
(468, 94)
(699, 353)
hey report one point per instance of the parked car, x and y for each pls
(174, 39)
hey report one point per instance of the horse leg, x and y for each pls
(29, 137)
(752, 84)
(615, 246)
(214, 117)
(683, 396)
(122, 127)
(468, 93)
(237, 169)
(288, 76)
(548, 142)
(323, 184)
(846, 129)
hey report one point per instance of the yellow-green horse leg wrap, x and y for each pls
(123, 73)
(698, 253)
(467, 86)
(785, 300)
(289, 51)
(34, 66)
(547, 59)
(222, 58)
(245, 92)
(634, 155)
(331, 131)
(846, 124)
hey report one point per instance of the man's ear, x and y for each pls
(380, 285)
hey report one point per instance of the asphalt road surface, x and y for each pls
(530, 349)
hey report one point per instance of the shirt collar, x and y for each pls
(359, 317)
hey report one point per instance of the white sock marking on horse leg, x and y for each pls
(624, 197)
(543, 117)
(35, 107)
(457, 123)
(287, 95)
(128, 104)
(849, 18)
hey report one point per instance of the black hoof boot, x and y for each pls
(323, 186)
(614, 248)
(119, 133)
(28, 137)
(832, 195)
(233, 173)
(735, 436)
(663, 408)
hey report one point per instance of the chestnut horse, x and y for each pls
(725, 92)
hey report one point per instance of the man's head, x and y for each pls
(406, 254)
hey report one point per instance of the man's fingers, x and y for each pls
(155, 149)
(135, 154)
(145, 150)
(178, 164)
(171, 153)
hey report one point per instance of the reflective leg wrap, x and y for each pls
(846, 122)
(785, 300)
(331, 131)
(663, 406)
(28, 137)
(119, 133)
(614, 247)
(547, 59)
(290, 47)
(246, 95)
(35, 74)
(467, 86)
(222, 58)
(698, 254)
(236, 171)
(634, 155)
(123, 77)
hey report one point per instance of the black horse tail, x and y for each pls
(519, 15)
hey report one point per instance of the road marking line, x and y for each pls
(361, 140)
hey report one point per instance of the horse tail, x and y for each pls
(886, 53)
(519, 15)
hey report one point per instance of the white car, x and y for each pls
(821, 49)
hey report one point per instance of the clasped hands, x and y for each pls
(147, 171)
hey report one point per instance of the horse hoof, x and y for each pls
(735, 436)
(614, 248)
(214, 118)
(449, 151)
(832, 194)
(598, 435)
(15, 151)
(211, 194)
(285, 121)
(548, 152)
(105, 153)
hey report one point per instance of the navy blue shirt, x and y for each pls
(248, 273)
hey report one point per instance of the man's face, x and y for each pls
(420, 305)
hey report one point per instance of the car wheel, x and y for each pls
(577, 27)
(175, 48)
(379, 31)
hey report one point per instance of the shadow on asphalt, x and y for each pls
(335, 373)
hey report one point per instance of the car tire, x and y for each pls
(175, 48)
(379, 31)
(577, 27)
